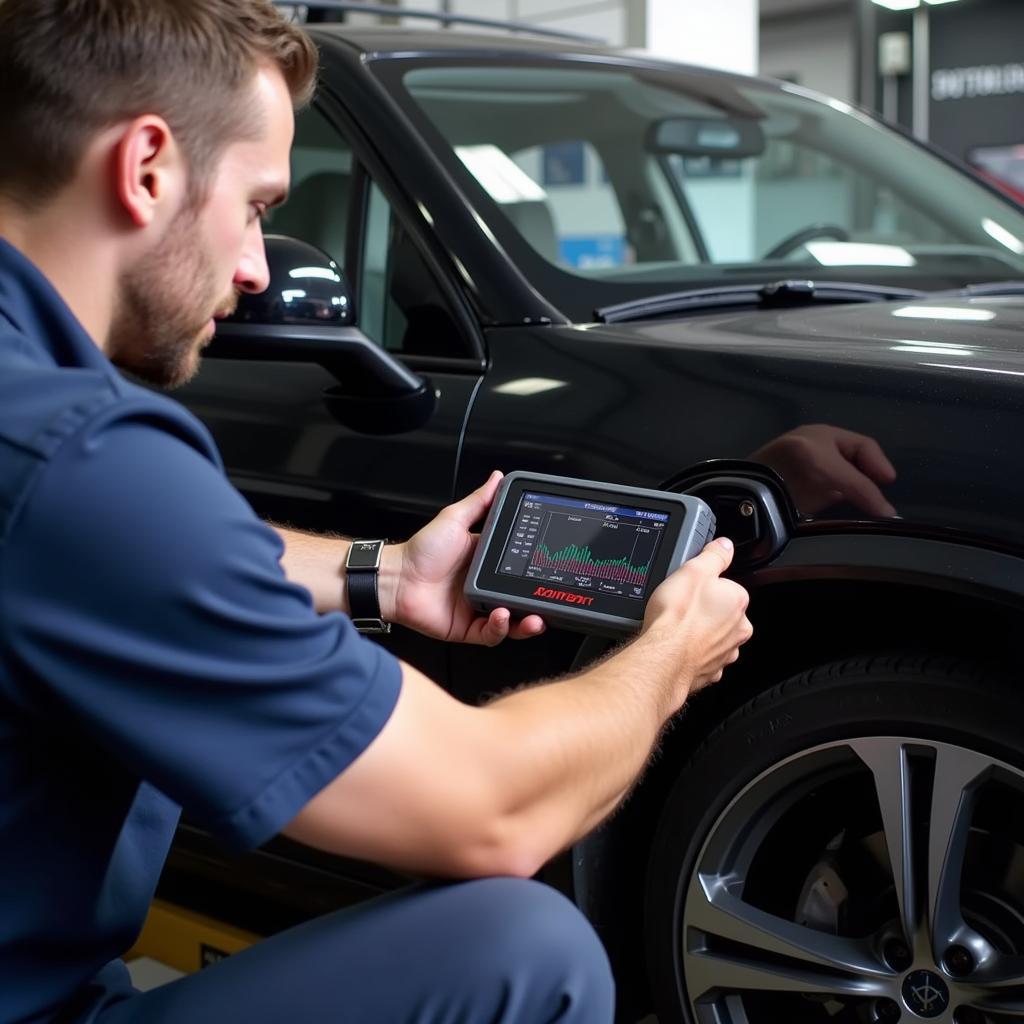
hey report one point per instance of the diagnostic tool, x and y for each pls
(585, 555)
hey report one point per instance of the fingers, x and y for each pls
(531, 626)
(866, 453)
(498, 626)
(490, 631)
(860, 490)
(715, 558)
(473, 507)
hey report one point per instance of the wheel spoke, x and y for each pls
(766, 952)
(1010, 1003)
(957, 772)
(889, 764)
(709, 971)
(1003, 972)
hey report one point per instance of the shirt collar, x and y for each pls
(37, 312)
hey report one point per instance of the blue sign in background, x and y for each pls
(592, 250)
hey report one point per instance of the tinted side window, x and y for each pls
(318, 205)
(402, 306)
(399, 303)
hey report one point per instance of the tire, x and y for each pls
(773, 892)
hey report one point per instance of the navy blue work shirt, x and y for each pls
(153, 657)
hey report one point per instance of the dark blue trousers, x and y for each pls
(492, 951)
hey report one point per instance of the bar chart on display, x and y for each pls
(586, 545)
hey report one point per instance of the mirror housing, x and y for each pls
(307, 288)
(723, 138)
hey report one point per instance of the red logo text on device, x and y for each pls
(561, 595)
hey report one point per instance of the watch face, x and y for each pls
(364, 554)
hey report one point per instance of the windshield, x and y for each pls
(609, 182)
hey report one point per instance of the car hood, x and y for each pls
(934, 383)
(974, 333)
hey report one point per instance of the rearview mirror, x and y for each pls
(726, 138)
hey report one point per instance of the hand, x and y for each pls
(428, 583)
(701, 615)
(823, 465)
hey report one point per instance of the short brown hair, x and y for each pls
(70, 68)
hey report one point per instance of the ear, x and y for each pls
(150, 171)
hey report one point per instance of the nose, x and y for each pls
(252, 275)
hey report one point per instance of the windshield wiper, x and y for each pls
(772, 295)
(971, 291)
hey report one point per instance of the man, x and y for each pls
(155, 655)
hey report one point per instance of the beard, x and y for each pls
(162, 315)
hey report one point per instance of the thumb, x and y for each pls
(716, 557)
(475, 504)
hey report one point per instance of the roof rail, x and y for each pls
(444, 17)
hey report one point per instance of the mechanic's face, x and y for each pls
(211, 252)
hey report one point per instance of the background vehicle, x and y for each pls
(564, 259)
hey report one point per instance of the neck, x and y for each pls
(63, 242)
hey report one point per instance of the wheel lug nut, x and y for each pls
(887, 1011)
(968, 1015)
(958, 961)
(897, 955)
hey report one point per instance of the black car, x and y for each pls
(538, 255)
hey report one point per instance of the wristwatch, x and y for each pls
(362, 568)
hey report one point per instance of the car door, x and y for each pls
(282, 444)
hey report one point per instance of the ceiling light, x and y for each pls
(859, 254)
(525, 386)
(908, 5)
(898, 5)
(945, 313)
(503, 179)
(1002, 236)
(322, 272)
(934, 350)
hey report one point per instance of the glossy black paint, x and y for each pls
(640, 402)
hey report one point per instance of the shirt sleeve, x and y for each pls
(145, 601)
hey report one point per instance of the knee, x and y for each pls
(536, 928)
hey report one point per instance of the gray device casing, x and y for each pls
(697, 529)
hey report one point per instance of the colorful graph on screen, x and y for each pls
(587, 545)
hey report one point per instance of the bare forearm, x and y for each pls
(317, 562)
(575, 748)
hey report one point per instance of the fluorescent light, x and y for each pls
(1003, 237)
(898, 5)
(859, 254)
(935, 2)
(290, 294)
(945, 313)
(976, 369)
(934, 350)
(504, 180)
(529, 386)
(327, 275)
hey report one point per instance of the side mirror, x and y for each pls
(306, 288)
(306, 315)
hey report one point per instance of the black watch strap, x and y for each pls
(362, 569)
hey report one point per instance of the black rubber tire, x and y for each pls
(922, 697)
